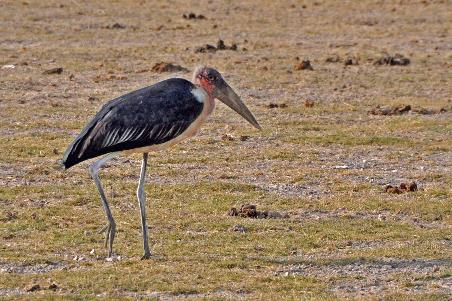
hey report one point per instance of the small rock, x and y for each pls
(304, 65)
(239, 228)
(193, 16)
(386, 110)
(381, 217)
(206, 48)
(57, 70)
(424, 111)
(333, 59)
(167, 67)
(262, 214)
(248, 211)
(275, 105)
(116, 26)
(392, 189)
(221, 45)
(8, 67)
(33, 288)
(274, 214)
(233, 212)
(309, 103)
(350, 61)
(412, 186)
(10, 215)
(396, 60)
(53, 287)
(244, 137)
(227, 137)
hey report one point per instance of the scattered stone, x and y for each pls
(412, 186)
(53, 287)
(392, 189)
(193, 16)
(33, 287)
(233, 212)
(57, 70)
(333, 59)
(396, 60)
(309, 103)
(244, 137)
(220, 46)
(227, 137)
(8, 67)
(168, 67)
(9, 216)
(250, 211)
(93, 98)
(304, 65)
(109, 77)
(425, 111)
(387, 110)
(274, 214)
(116, 26)
(239, 228)
(402, 109)
(275, 105)
(351, 61)
(403, 187)
(206, 48)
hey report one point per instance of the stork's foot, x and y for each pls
(110, 231)
(147, 255)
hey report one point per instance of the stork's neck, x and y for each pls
(205, 98)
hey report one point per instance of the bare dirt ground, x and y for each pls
(352, 96)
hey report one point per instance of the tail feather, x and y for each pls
(72, 155)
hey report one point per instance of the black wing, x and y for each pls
(152, 115)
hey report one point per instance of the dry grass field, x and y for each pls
(322, 160)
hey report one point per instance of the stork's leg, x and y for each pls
(142, 200)
(110, 228)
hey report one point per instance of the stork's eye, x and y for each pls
(211, 77)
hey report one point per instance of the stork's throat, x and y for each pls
(205, 98)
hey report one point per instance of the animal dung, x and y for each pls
(387, 110)
(403, 109)
(395, 60)
(403, 187)
(193, 16)
(276, 105)
(304, 65)
(250, 211)
(220, 46)
(309, 103)
(57, 70)
(167, 67)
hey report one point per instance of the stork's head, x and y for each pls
(214, 84)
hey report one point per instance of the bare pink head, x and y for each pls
(214, 84)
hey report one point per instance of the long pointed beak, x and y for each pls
(226, 95)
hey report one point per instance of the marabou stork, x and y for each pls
(150, 119)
